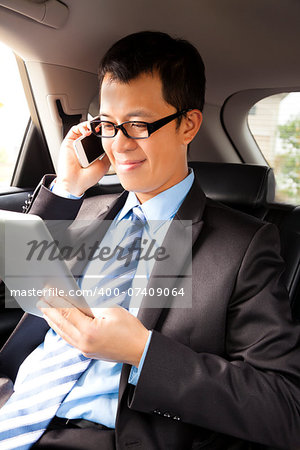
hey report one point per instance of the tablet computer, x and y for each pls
(28, 275)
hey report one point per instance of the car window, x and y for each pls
(14, 114)
(275, 125)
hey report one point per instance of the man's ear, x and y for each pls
(190, 124)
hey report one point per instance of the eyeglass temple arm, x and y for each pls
(161, 122)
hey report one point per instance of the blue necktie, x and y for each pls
(28, 412)
(118, 272)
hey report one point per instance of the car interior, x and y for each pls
(250, 50)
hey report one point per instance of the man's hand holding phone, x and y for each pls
(71, 176)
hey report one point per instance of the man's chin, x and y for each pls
(134, 187)
(132, 183)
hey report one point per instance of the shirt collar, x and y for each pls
(163, 206)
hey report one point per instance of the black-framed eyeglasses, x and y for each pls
(132, 129)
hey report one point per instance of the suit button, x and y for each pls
(176, 418)
(167, 414)
(156, 411)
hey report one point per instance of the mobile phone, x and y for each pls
(88, 149)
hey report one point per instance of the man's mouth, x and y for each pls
(129, 164)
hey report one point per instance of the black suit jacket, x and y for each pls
(223, 374)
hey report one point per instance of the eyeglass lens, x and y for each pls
(133, 129)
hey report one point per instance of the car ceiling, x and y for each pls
(245, 44)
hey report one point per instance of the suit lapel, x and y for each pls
(96, 229)
(189, 215)
(19, 345)
(179, 234)
(178, 244)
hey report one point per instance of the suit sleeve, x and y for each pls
(253, 391)
(50, 206)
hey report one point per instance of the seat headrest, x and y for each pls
(236, 184)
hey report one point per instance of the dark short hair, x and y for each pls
(177, 62)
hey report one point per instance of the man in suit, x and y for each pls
(221, 373)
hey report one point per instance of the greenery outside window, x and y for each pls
(275, 125)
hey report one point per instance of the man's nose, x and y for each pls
(122, 143)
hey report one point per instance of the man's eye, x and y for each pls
(107, 126)
(138, 125)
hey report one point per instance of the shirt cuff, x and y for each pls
(62, 192)
(135, 372)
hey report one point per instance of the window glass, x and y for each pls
(275, 125)
(14, 114)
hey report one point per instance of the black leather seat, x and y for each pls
(288, 221)
(246, 187)
(251, 189)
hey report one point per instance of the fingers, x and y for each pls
(99, 167)
(115, 335)
(81, 129)
(64, 319)
(71, 177)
